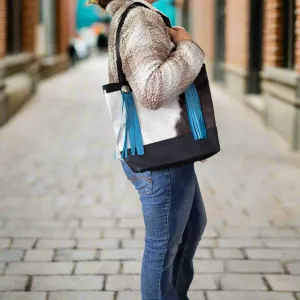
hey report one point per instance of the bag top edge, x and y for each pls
(112, 87)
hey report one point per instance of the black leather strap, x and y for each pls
(121, 75)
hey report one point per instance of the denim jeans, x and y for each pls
(175, 220)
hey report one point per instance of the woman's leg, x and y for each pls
(166, 212)
(183, 271)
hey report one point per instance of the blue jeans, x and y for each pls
(175, 220)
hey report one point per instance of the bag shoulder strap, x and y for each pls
(121, 75)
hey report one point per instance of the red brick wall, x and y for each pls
(272, 40)
(204, 24)
(2, 27)
(65, 22)
(29, 26)
(297, 45)
(237, 33)
(72, 18)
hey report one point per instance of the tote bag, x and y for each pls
(146, 139)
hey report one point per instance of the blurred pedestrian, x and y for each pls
(72, 52)
(102, 42)
(173, 209)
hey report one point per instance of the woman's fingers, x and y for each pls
(178, 28)
(178, 34)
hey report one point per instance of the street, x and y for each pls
(70, 221)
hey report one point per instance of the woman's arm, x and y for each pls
(154, 74)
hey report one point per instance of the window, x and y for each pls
(219, 71)
(289, 20)
(14, 29)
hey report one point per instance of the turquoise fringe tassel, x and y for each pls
(132, 128)
(195, 114)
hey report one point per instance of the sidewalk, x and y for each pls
(70, 222)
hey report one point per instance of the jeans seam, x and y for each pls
(183, 256)
(168, 206)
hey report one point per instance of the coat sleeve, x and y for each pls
(154, 72)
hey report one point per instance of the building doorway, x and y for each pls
(255, 46)
(186, 16)
(219, 65)
(14, 26)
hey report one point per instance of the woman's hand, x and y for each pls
(179, 34)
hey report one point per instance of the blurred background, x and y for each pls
(70, 222)
(251, 48)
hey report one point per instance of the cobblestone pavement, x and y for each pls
(70, 223)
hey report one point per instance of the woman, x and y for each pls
(173, 209)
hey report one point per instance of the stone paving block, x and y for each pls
(121, 254)
(2, 267)
(87, 233)
(123, 283)
(88, 201)
(139, 234)
(251, 221)
(237, 232)
(133, 244)
(208, 243)
(228, 253)
(242, 282)
(272, 254)
(92, 211)
(248, 295)
(73, 223)
(210, 233)
(22, 296)
(278, 232)
(74, 255)
(20, 224)
(47, 224)
(67, 283)
(81, 296)
(98, 244)
(26, 213)
(282, 243)
(36, 233)
(129, 296)
(240, 243)
(205, 282)
(11, 255)
(293, 267)
(56, 244)
(290, 283)
(13, 283)
(203, 254)
(94, 268)
(196, 296)
(22, 243)
(118, 233)
(131, 223)
(132, 267)
(4, 243)
(209, 266)
(39, 268)
(39, 255)
(254, 266)
(98, 223)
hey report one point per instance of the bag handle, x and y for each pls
(121, 75)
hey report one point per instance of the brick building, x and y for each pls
(253, 49)
(33, 43)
